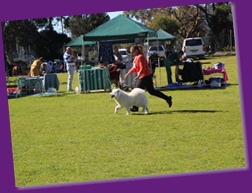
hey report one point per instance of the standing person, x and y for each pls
(117, 55)
(171, 58)
(36, 67)
(144, 75)
(69, 60)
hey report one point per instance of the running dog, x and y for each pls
(126, 100)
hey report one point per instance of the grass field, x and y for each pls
(77, 138)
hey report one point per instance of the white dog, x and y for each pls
(135, 97)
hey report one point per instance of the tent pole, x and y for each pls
(83, 52)
(83, 61)
(98, 50)
(148, 50)
(159, 67)
(63, 49)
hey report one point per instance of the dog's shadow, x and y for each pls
(179, 111)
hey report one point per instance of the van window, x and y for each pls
(122, 52)
(155, 48)
(194, 42)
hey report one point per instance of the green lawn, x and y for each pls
(76, 138)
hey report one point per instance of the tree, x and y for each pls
(186, 21)
(50, 44)
(166, 23)
(207, 20)
(218, 17)
(144, 15)
(22, 38)
(190, 20)
(16, 34)
(81, 24)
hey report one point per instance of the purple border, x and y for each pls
(228, 181)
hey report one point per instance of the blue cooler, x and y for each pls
(215, 82)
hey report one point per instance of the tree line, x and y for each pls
(213, 21)
(39, 37)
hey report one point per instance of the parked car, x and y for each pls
(193, 47)
(126, 56)
(159, 50)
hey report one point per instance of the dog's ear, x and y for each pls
(118, 93)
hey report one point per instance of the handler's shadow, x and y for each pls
(185, 111)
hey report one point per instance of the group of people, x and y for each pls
(40, 67)
(144, 73)
(69, 61)
(144, 77)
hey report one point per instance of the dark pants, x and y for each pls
(168, 72)
(147, 83)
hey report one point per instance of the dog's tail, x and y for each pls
(136, 92)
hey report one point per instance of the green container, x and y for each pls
(85, 67)
(84, 79)
(94, 79)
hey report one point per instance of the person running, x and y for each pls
(143, 79)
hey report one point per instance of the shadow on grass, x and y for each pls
(180, 111)
(151, 113)
(197, 111)
(233, 84)
(195, 87)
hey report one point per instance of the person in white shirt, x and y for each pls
(46, 68)
(69, 60)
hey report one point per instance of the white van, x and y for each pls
(193, 47)
(159, 50)
(126, 56)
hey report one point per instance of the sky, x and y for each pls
(114, 14)
(111, 15)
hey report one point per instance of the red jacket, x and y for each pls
(140, 66)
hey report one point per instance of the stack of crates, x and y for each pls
(94, 79)
(29, 85)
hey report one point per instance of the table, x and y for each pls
(213, 72)
(28, 85)
(50, 81)
(95, 78)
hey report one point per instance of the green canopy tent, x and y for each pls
(119, 28)
(162, 36)
(78, 42)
